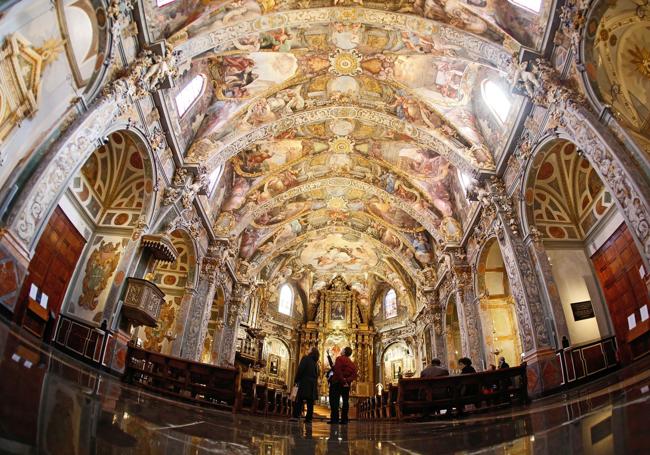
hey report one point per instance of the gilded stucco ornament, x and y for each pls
(21, 69)
(345, 63)
(186, 187)
(119, 13)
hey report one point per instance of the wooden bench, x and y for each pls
(184, 379)
(424, 396)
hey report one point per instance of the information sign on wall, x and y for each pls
(582, 310)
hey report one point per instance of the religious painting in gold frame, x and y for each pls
(274, 364)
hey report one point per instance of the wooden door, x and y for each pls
(618, 266)
(53, 264)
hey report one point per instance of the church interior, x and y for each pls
(195, 194)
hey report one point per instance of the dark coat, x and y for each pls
(467, 369)
(433, 371)
(307, 378)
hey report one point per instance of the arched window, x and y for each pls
(390, 304)
(286, 299)
(189, 94)
(496, 99)
(465, 181)
(214, 179)
(531, 5)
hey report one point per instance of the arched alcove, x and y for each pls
(452, 334)
(397, 360)
(278, 359)
(87, 245)
(497, 307)
(594, 260)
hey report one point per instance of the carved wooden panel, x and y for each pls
(617, 265)
(54, 262)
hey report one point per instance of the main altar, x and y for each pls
(336, 323)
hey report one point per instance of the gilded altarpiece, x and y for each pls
(338, 322)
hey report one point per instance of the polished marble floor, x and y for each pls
(53, 404)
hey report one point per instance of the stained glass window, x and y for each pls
(286, 299)
(390, 304)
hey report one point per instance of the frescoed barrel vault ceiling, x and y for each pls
(342, 125)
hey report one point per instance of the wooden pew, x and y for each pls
(270, 401)
(382, 404)
(183, 379)
(390, 411)
(248, 400)
(261, 398)
(278, 402)
(423, 396)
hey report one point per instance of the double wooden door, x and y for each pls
(53, 264)
(619, 268)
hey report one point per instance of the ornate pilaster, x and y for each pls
(201, 305)
(472, 336)
(543, 373)
(181, 320)
(549, 287)
(228, 338)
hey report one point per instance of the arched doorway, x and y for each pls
(497, 308)
(452, 334)
(172, 278)
(398, 360)
(595, 263)
(88, 244)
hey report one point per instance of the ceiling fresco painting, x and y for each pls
(343, 127)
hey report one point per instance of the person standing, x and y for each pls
(307, 382)
(503, 363)
(345, 372)
(434, 370)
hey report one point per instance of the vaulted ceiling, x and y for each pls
(342, 125)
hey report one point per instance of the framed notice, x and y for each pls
(582, 310)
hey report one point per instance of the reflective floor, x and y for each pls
(53, 404)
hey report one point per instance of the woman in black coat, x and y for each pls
(307, 382)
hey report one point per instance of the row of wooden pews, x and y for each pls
(262, 400)
(219, 387)
(423, 397)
